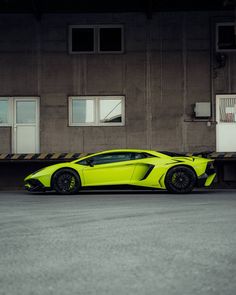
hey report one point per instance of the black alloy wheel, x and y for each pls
(180, 179)
(66, 181)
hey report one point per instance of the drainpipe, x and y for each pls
(184, 63)
(212, 55)
(148, 86)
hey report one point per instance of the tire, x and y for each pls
(180, 179)
(66, 182)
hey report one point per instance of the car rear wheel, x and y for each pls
(66, 182)
(180, 179)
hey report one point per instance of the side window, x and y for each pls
(111, 158)
(137, 156)
(106, 159)
(83, 162)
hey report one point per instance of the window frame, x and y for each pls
(97, 99)
(96, 39)
(10, 110)
(223, 24)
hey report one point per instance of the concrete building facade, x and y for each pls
(169, 63)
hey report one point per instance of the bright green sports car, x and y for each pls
(140, 168)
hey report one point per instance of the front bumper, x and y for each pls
(34, 185)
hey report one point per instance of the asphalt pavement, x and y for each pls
(118, 243)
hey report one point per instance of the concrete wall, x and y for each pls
(166, 68)
(5, 139)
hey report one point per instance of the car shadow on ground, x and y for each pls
(123, 192)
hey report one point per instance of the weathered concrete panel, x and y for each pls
(200, 141)
(18, 74)
(55, 134)
(167, 134)
(198, 70)
(54, 37)
(56, 73)
(53, 100)
(135, 37)
(197, 26)
(18, 33)
(172, 71)
(98, 139)
(5, 140)
(135, 86)
(136, 117)
(171, 32)
(104, 74)
(233, 73)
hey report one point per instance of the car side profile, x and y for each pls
(139, 168)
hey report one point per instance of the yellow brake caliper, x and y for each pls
(72, 183)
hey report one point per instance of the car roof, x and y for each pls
(154, 153)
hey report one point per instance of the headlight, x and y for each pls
(37, 171)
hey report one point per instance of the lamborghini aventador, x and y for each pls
(138, 168)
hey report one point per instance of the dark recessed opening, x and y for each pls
(82, 39)
(110, 39)
(226, 37)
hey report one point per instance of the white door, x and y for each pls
(226, 123)
(26, 125)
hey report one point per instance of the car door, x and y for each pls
(108, 169)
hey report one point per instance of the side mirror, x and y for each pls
(90, 162)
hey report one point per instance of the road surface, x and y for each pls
(120, 243)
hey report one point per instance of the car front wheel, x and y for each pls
(180, 179)
(66, 182)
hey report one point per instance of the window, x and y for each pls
(110, 111)
(25, 112)
(96, 39)
(82, 39)
(113, 157)
(225, 37)
(82, 111)
(137, 156)
(110, 39)
(107, 158)
(96, 111)
(227, 108)
(110, 158)
(4, 112)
